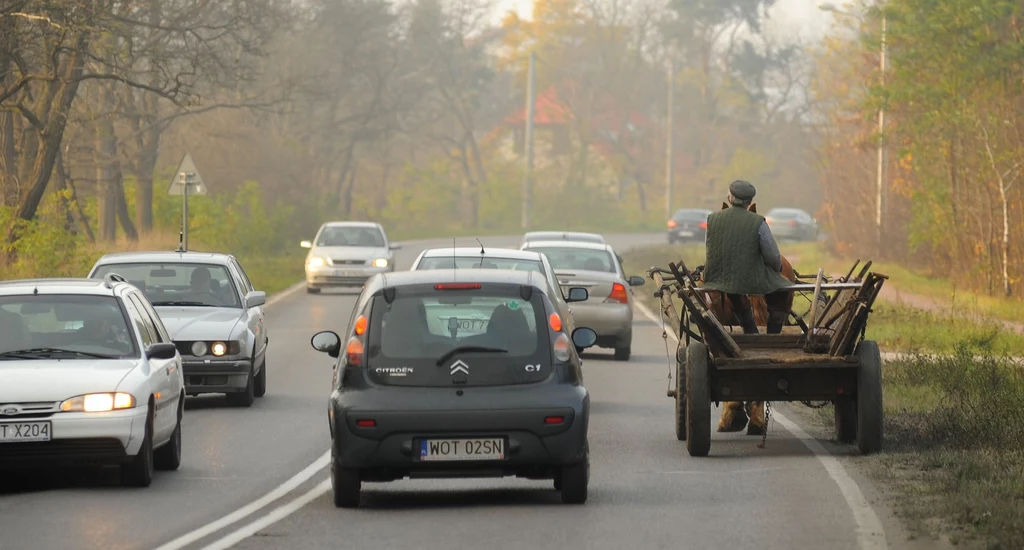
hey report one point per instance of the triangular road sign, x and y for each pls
(187, 171)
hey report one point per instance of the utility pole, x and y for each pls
(186, 180)
(527, 183)
(879, 191)
(669, 131)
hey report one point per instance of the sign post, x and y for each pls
(186, 181)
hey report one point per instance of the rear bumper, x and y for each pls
(80, 439)
(686, 234)
(613, 323)
(215, 376)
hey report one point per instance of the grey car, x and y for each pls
(415, 394)
(792, 224)
(531, 236)
(688, 225)
(499, 258)
(596, 267)
(346, 254)
(214, 315)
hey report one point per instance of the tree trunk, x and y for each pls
(121, 205)
(144, 168)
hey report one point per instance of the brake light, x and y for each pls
(554, 419)
(556, 322)
(366, 423)
(703, 225)
(618, 294)
(457, 286)
(792, 223)
(672, 223)
(354, 352)
(561, 348)
(361, 323)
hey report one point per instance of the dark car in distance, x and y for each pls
(469, 374)
(688, 225)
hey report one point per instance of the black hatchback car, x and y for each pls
(688, 225)
(466, 373)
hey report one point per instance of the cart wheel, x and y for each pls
(698, 400)
(681, 396)
(846, 419)
(869, 398)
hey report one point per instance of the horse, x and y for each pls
(735, 414)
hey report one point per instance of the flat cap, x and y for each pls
(742, 190)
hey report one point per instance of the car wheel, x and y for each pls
(346, 485)
(245, 397)
(168, 457)
(261, 380)
(139, 471)
(622, 354)
(671, 240)
(574, 479)
(312, 290)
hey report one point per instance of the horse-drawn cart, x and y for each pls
(819, 356)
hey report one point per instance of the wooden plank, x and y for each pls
(784, 357)
(736, 365)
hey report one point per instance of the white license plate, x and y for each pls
(686, 233)
(17, 432)
(462, 449)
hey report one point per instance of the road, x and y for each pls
(645, 491)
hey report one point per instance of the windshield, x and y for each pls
(479, 262)
(494, 332)
(350, 236)
(64, 326)
(566, 258)
(178, 284)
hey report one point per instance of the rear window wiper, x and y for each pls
(463, 349)
(180, 303)
(35, 353)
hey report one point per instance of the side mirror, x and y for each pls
(328, 342)
(161, 351)
(577, 294)
(306, 244)
(636, 281)
(255, 298)
(584, 337)
(395, 246)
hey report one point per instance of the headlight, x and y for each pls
(199, 349)
(315, 262)
(99, 402)
(218, 349)
(380, 262)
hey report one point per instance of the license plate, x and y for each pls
(686, 233)
(462, 449)
(17, 432)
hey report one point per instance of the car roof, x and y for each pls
(474, 252)
(701, 210)
(434, 276)
(187, 257)
(570, 244)
(80, 286)
(788, 210)
(565, 235)
(351, 224)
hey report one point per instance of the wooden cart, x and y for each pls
(819, 356)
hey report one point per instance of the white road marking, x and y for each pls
(870, 533)
(251, 508)
(277, 515)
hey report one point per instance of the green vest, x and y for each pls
(734, 263)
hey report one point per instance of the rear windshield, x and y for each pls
(178, 284)
(68, 326)
(567, 258)
(441, 262)
(690, 215)
(406, 338)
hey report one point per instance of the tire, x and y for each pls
(846, 419)
(139, 471)
(260, 387)
(671, 240)
(575, 479)
(168, 457)
(869, 398)
(245, 397)
(698, 400)
(680, 415)
(622, 354)
(345, 484)
(312, 290)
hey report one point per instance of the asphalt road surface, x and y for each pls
(257, 478)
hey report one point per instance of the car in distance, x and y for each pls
(498, 258)
(415, 394)
(531, 236)
(88, 376)
(688, 225)
(609, 308)
(213, 313)
(346, 254)
(792, 224)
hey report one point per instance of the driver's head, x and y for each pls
(201, 279)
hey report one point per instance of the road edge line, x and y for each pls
(251, 508)
(278, 514)
(870, 532)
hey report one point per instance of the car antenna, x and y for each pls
(482, 252)
(181, 239)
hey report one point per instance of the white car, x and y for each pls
(346, 254)
(88, 376)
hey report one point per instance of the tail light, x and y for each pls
(671, 224)
(360, 327)
(703, 225)
(792, 223)
(354, 352)
(457, 286)
(618, 294)
(555, 322)
(561, 348)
